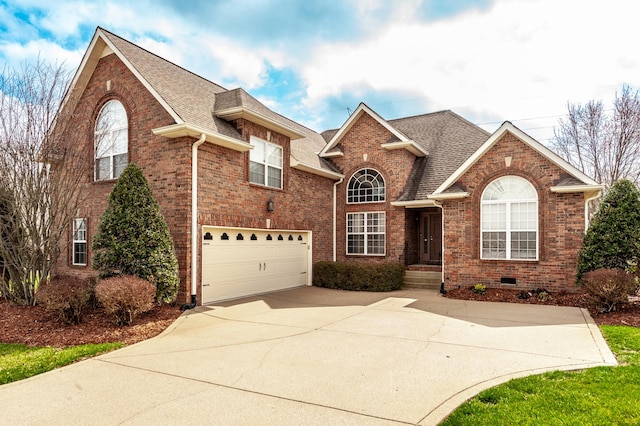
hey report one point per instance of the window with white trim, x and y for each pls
(80, 241)
(509, 220)
(111, 141)
(366, 186)
(366, 233)
(265, 163)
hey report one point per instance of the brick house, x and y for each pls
(253, 199)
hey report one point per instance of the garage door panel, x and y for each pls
(233, 267)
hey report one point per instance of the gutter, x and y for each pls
(335, 202)
(194, 223)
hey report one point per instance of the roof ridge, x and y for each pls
(160, 57)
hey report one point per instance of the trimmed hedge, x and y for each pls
(358, 276)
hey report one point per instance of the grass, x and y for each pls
(18, 362)
(596, 396)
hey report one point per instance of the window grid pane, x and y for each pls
(509, 220)
(79, 241)
(366, 186)
(265, 165)
(111, 141)
(366, 233)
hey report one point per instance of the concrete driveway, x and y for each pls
(313, 356)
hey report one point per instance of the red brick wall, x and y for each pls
(225, 196)
(364, 138)
(560, 226)
(159, 158)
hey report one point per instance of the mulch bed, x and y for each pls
(626, 314)
(35, 326)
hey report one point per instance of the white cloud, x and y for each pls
(515, 60)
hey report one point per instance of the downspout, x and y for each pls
(439, 204)
(194, 224)
(597, 194)
(335, 202)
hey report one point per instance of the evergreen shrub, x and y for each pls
(133, 237)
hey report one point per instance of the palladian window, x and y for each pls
(366, 186)
(509, 220)
(111, 141)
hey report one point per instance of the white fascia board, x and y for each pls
(410, 146)
(528, 140)
(332, 154)
(314, 170)
(362, 108)
(255, 117)
(414, 204)
(142, 80)
(576, 188)
(448, 196)
(184, 129)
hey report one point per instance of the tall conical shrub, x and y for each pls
(133, 237)
(613, 238)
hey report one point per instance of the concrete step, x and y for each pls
(422, 279)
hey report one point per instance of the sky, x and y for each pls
(314, 61)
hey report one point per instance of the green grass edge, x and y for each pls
(19, 362)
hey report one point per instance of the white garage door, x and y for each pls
(242, 262)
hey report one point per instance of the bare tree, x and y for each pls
(40, 176)
(604, 145)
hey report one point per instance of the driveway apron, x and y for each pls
(313, 356)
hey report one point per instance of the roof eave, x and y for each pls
(189, 130)
(410, 146)
(362, 108)
(448, 196)
(528, 140)
(314, 170)
(414, 204)
(236, 113)
(576, 188)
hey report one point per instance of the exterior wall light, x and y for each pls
(270, 205)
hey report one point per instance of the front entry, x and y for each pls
(431, 237)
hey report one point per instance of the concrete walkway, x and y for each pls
(313, 356)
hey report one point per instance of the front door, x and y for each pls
(431, 237)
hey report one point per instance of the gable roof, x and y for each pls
(402, 142)
(579, 183)
(197, 105)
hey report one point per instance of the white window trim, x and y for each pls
(384, 186)
(508, 230)
(266, 164)
(384, 253)
(79, 241)
(99, 134)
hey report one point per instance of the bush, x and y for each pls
(609, 287)
(358, 276)
(613, 238)
(133, 238)
(480, 288)
(125, 297)
(67, 296)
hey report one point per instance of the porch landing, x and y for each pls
(423, 276)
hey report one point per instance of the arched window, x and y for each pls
(366, 186)
(111, 141)
(509, 220)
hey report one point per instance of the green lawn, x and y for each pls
(18, 362)
(596, 396)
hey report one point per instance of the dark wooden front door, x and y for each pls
(431, 237)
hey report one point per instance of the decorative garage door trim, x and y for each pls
(238, 262)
